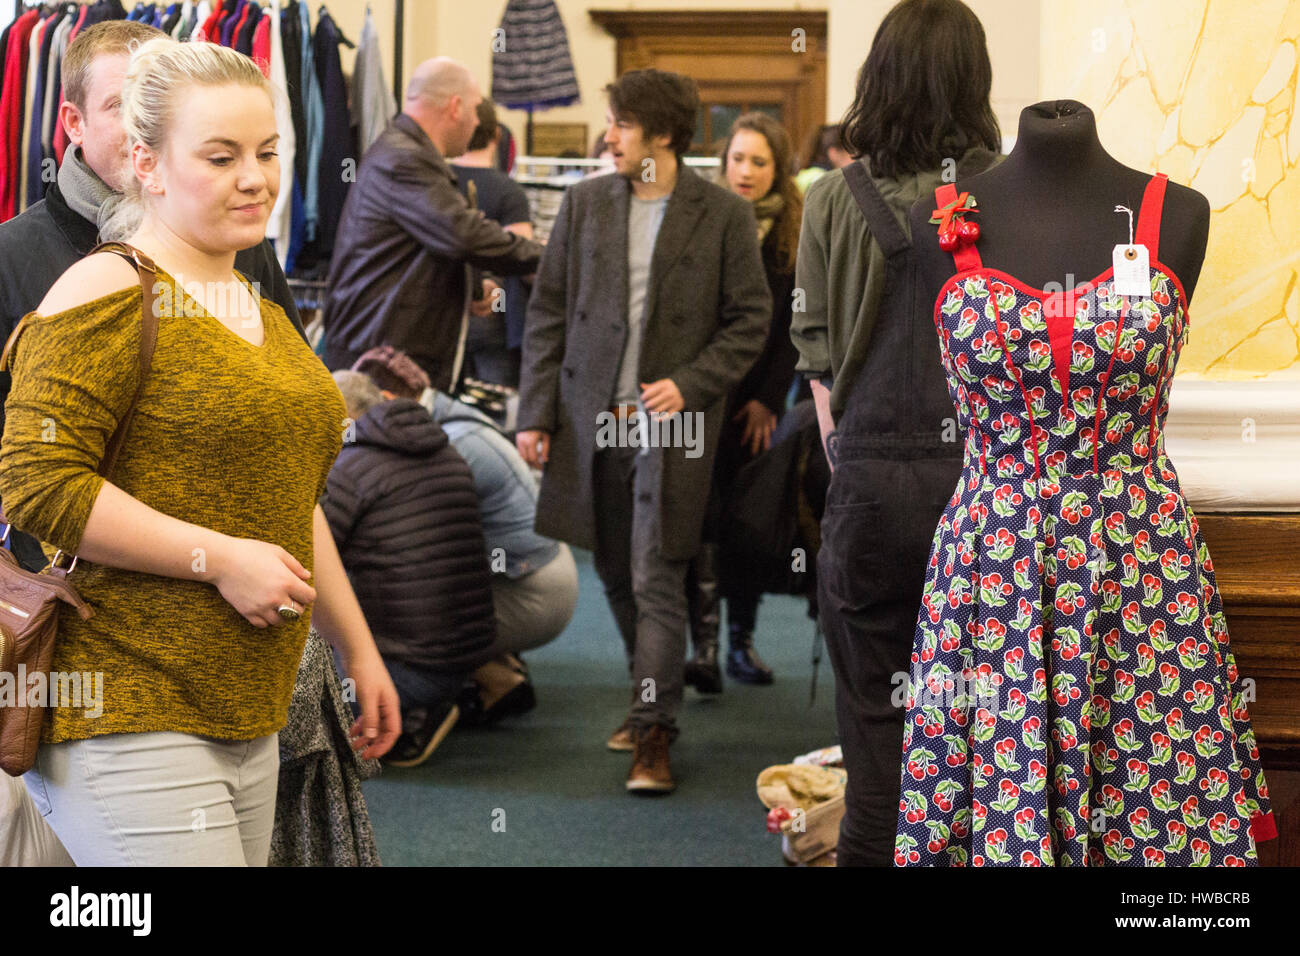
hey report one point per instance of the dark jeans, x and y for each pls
(742, 608)
(419, 687)
(876, 534)
(487, 357)
(646, 592)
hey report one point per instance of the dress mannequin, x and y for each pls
(1068, 543)
(1047, 210)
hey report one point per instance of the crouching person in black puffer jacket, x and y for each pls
(401, 505)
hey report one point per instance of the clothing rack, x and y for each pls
(545, 178)
(21, 5)
(399, 34)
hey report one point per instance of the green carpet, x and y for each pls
(541, 789)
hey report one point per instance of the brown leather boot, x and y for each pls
(651, 772)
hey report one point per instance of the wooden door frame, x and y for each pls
(688, 41)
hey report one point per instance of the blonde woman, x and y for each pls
(206, 557)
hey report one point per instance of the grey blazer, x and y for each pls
(707, 313)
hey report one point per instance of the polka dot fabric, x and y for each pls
(1073, 700)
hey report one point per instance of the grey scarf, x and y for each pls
(116, 215)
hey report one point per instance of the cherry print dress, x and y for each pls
(1073, 698)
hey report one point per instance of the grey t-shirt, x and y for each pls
(643, 219)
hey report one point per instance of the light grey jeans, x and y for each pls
(533, 610)
(159, 799)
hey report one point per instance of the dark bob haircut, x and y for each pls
(486, 130)
(662, 102)
(923, 92)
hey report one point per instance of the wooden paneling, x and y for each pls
(739, 56)
(1257, 566)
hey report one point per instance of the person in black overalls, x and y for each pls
(896, 448)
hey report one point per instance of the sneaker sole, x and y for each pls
(438, 737)
(519, 699)
(650, 787)
(620, 748)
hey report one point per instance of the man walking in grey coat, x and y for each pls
(649, 305)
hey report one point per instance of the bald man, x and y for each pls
(400, 274)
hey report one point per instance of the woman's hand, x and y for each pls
(380, 723)
(760, 423)
(257, 577)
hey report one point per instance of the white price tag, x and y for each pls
(1132, 270)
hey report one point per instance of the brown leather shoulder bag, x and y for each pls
(29, 619)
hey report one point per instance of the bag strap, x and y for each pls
(880, 218)
(148, 273)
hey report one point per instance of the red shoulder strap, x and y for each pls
(1148, 225)
(965, 257)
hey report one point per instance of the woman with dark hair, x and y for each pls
(757, 164)
(867, 342)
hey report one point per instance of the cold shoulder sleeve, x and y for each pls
(74, 377)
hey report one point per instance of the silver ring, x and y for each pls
(289, 612)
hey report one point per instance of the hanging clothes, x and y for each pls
(227, 12)
(291, 43)
(237, 36)
(193, 20)
(231, 22)
(171, 18)
(315, 114)
(243, 41)
(372, 101)
(53, 99)
(12, 96)
(60, 134)
(37, 58)
(297, 235)
(262, 44)
(337, 149)
(4, 46)
(207, 29)
(32, 139)
(279, 225)
(535, 70)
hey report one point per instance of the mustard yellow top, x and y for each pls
(227, 435)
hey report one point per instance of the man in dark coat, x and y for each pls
(651, 298)
(400, 271)
(41, 244)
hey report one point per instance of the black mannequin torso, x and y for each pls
(1047, 211)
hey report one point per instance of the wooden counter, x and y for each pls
(1257, 563)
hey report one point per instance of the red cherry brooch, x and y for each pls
(954, 229)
